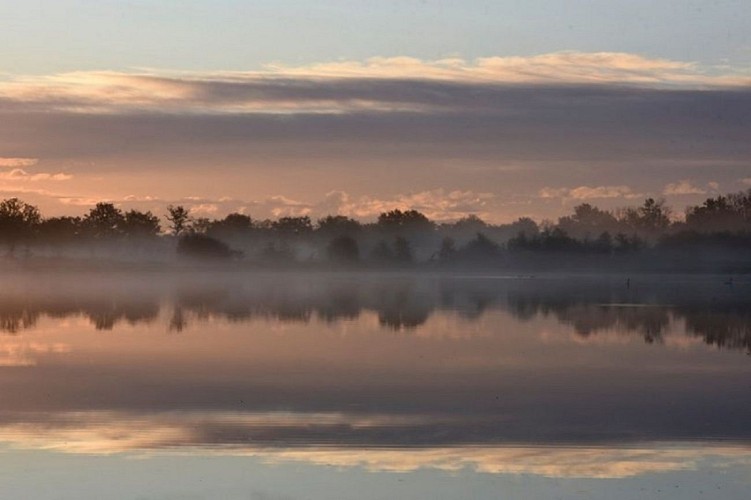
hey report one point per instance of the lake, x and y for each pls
(276, 386)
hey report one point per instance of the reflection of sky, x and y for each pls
(207, 477)
(553, 378)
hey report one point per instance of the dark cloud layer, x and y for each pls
(504, 122)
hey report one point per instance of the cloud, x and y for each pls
(18, 174)
(558, 67)
(584, 193)
(346, 86)
(746, 181)
(6, 162)
(437, 204)
(682, 188)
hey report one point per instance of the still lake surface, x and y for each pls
(278, 386)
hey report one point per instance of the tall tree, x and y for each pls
(179, 219)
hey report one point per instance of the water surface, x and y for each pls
(309, 385)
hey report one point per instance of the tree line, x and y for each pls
(396, 238)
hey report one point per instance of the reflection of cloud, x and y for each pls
(542, 461)
(113, 432)
(25, 353)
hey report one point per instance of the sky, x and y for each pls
(500, 109)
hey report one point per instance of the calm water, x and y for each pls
(283, 386)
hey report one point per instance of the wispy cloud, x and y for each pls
(584, 193)
(19, 174)
(6, 162)
(682, 188)
(557, 67)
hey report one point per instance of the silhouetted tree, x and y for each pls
(651, 218)
(587, 221)
(408, 220)
(724, 213)
(137, 224)
(338, 225)
(58, 231)
(179, 219)
(18, 222)
(104, 221)
(232, 226)
(200, 225)
(293, 225)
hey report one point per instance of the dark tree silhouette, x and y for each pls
(179, 219)
(140, 224)
(60, 231)
(649, 219)
(293, 225)
(104, 221)
(588, 221)
(408, 220)
(235, 225)
(338, 225)
(18, 222)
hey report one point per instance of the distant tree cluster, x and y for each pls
(396, 239)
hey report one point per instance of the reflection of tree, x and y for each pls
(401, 308)
(104, 314)
(178, 321)
(16, 316)
(719, 315)
(587, 319)
(727, 328)
(725, 325)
